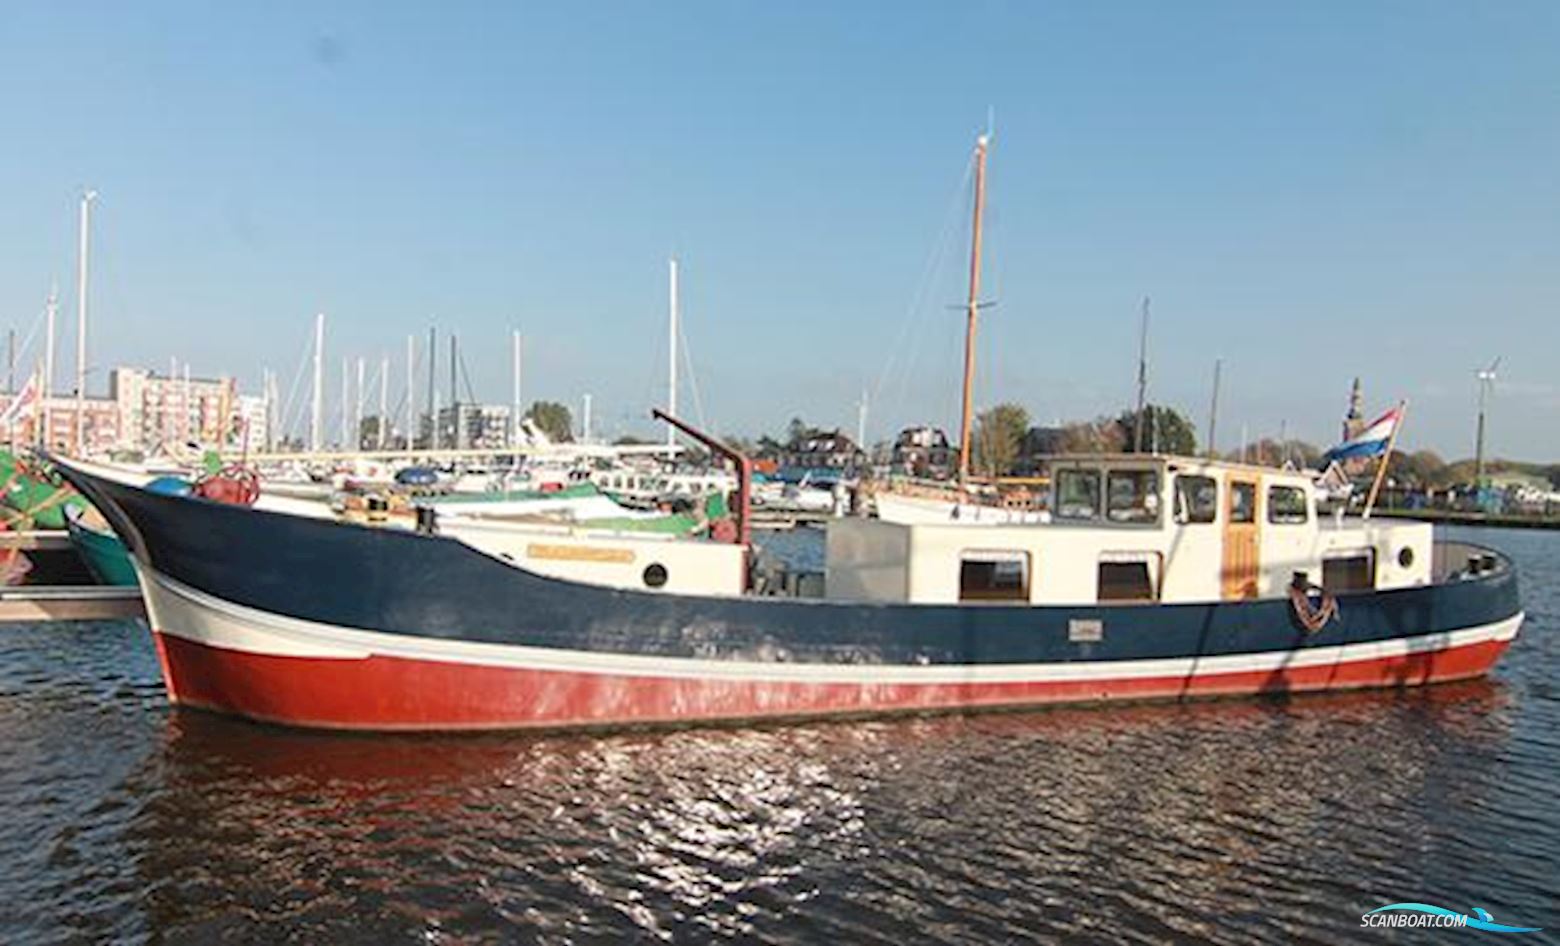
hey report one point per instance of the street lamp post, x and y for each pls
(1486, 382)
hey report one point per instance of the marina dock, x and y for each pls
(32, 603)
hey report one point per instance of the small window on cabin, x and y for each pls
(994, 576)
(1133, 496)
(1126, 581)
(1286, 505)
(1196, 499)
(1078, 494)
(1243, 502)
(1355, 572)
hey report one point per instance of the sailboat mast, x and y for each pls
(455, 425)
(384, 401)
(514, 420)
(270, 410)
(187, 400)
(411, 392)
(671, 349)
(51, 312)
(81, 321)
(1142, 384)
(972, 310)
(317, 409)
(346, 400)
(433, 397)
(1213, 411)
(861, 422)
(355, 436)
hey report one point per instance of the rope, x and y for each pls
(1312, 617)
(693, 379)
(907, 342)
(290, 409)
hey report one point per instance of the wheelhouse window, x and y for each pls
(1196, 498)
(1286, 505)
(1077, 494)
(1132, 497)
(994, 576)
(1243, 502)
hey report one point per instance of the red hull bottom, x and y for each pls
(396, 693)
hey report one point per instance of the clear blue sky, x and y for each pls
(1309, 191)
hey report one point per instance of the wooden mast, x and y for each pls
(972, 309)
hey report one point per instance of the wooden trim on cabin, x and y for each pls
(580, 553)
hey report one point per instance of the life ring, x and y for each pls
(1312, 617)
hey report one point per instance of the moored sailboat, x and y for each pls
(958, 502)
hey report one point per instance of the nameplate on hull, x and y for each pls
(1085, 630)
(580, 553)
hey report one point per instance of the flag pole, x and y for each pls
(1381, 468)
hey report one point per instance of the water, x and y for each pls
(1240, 821)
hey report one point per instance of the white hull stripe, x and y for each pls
(181, 611)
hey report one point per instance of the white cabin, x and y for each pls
(1134, 528)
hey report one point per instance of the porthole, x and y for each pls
(655, 575)
(1406, 557)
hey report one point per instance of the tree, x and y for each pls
(999, 432)
(1270, 451)
(1420, 468)
(552, 419)
(740, 444)
(1101, 435)
(1166, 431)
(797, 431)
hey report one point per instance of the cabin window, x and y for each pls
(1355, 572)
(1286, 505)
(1243, 502)
(994, 576)
(1133, 496)
(1078, 494)
(1196, 499)
(1128, 577)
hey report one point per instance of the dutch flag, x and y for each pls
(21, 404)
(1370, 442)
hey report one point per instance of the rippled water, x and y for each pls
(1238, 821)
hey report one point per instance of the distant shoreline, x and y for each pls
(1459, 518)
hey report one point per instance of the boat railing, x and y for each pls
(1452, 561)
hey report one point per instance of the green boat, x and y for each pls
(104, 554)
(35, 500)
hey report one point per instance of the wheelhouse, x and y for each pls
(1133, 529)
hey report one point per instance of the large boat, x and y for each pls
(1161, 577)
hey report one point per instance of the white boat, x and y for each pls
(911, 509)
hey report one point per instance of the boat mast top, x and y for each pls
(972, 309)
